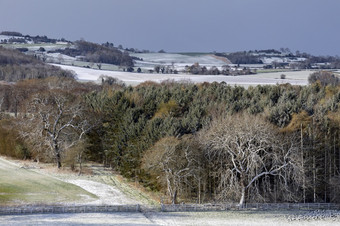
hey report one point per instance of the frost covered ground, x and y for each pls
(294, 77)
(109, 192)
(19, 185)
(77, 219)
(25, 182)
(241, 218)
(108, 195)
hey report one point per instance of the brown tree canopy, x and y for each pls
(15, 66)
(324, 77)
(173, 162)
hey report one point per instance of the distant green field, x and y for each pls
(22, 186)
(272, 70)
(77, 63)
(194, 54)
(47, 46)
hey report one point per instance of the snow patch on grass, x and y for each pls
(107, 195)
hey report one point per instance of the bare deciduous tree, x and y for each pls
(172, 160)
(58, 120)
(246, 149)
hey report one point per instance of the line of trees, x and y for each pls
(226, 70)
(241, 58)
(195, 142)
(20, 38)
(10, 33)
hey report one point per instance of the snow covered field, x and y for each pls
(294, 77)
(270, 60)
(7, 37)
(179, 61)
(169, 58)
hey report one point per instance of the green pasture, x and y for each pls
(21, 186)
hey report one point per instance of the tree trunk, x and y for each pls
(174, 198)
(243, 195)
(16, 108)
(314, 179)
(325, 173)
(58, 159)
(303, 167)
(80, 168)
(172, 192)
(80, 160)
(199, 191)
(57, 153)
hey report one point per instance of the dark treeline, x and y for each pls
(241, 58)
(15, 66)
(98, 53)
(326, 62)
(199, 142)
(10, 33)
(20, 38)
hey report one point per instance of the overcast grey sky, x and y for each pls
(311, 26)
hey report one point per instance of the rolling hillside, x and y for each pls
(19, 185)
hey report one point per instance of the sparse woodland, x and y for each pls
(92, 52)
(15, 66)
